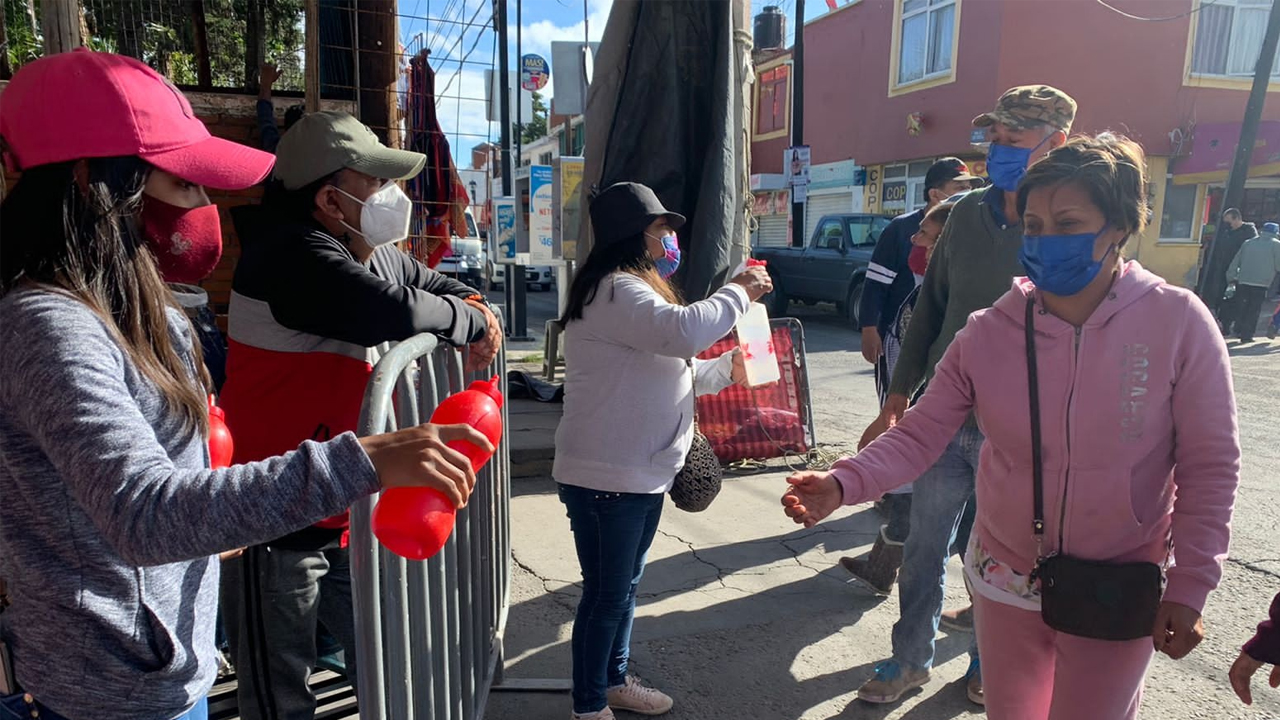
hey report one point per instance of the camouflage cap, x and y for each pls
(1027, 106)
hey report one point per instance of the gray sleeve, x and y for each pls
(62, 380)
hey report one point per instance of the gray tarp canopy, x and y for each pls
(665, 109)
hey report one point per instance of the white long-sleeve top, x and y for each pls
(628, 403)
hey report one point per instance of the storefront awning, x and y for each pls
(1213, 150)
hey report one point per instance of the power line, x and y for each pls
(462, 62)
(1193, 11)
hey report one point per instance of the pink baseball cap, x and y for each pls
(85, 104)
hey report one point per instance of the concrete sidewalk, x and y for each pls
(742, 614)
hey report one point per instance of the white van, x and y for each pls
(466, 258)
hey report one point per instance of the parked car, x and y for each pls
(536, 277)
(465, 262)
(830, 268)
(466, 257)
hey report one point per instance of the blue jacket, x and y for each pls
(889, 280)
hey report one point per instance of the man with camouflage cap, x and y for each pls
(975, 263)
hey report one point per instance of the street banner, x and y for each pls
(541, 221)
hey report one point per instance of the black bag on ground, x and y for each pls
(1087, 598)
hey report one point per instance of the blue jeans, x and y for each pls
(938, 510)
(612, 533)
(16, 707)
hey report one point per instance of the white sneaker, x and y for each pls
(639, 699)
(605, 714)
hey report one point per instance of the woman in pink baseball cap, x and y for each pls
(111, 521)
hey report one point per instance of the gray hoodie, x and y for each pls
(110, 520)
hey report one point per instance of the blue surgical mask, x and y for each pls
(1006, 164)
(1061, 264)
(670, 261)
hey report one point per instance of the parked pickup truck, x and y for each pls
(829, 269)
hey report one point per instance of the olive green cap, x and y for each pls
(322, 143)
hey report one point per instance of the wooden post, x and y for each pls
(376, 47)
(60, 24)
(312, 59)
(255, 43)
(6, 72)
(200, 27)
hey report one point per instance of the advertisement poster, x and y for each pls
(541, 201)
(534, 72)
(796, 163)
(504, 220)
(570, 206)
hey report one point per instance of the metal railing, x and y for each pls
(430, 633)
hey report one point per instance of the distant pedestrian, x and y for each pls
(1253, 269)
(630, 344)
(1130, 436)
(1231, 238)
(1263, 649)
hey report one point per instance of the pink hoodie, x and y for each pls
(1138, 426)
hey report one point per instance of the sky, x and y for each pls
(460, 30)
(463, 46)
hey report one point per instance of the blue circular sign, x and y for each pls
(534, 72)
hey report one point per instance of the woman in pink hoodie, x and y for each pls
(1138, 438)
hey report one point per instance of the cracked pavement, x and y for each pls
(743, 615)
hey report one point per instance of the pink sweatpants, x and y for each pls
(1032, 672)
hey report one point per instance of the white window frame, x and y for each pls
(1195, 218)
(930, 9)
(1237, 26)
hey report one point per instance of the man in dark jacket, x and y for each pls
(1236, 233)
(319, 290)
(889, 278)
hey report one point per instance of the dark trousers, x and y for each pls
(612, 533)
(1251, 298)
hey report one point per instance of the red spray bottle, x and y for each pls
(415, 522)
(220, 446)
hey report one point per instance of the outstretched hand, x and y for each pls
(812, 497)
(1242, 671)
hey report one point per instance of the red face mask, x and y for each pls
(918, 260)
(187, 242)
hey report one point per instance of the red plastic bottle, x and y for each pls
(220, 446)
(415, 523)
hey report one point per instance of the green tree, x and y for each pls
(161, 33)
(536, 128)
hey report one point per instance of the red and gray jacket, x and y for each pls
(305, 322)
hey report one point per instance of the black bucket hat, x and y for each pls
(625, 209)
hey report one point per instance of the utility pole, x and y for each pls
(797, 120)
(515, 288)
(504, 102)
(1248, 136)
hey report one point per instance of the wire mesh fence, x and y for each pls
(206, 44)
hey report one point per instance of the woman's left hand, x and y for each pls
(1178, 630)
(739, 373)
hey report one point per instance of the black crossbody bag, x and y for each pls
(1087, 598)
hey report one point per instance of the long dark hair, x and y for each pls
(82, 239)
(629, 255)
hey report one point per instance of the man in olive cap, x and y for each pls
(319, 288)
(975, 265)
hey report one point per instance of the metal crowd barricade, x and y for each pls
(430, 633)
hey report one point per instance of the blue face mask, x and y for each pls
(669, 262)
(1006, 164)
(1061, 264)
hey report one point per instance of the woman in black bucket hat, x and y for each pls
(629, 344)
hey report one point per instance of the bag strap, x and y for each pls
(1037, 464)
